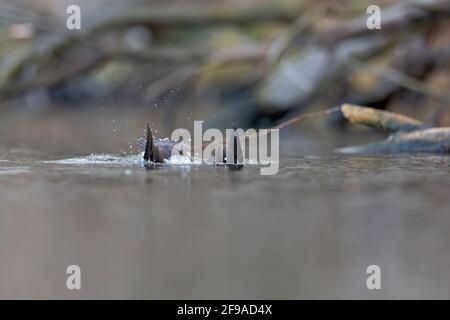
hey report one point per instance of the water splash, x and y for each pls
(182, 160)
(104, 159)
(100, 159)
(14, 171)
(126, 160)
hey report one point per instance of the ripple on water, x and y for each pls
(100, 159)
(105, 159)
(129, 160)
(14, 171)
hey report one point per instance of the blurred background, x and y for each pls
(201, 231)
(252, 62)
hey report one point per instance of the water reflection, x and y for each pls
(159, 231)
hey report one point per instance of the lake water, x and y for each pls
(190, 231)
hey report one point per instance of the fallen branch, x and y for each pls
(205, 15)
(434, 140)
(395, 17)
(378, 119)
(409, 134)
(305, 116)
(154, 54)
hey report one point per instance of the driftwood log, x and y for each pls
(382, 120)
(408, 135)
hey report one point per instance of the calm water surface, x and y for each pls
(206, 232)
